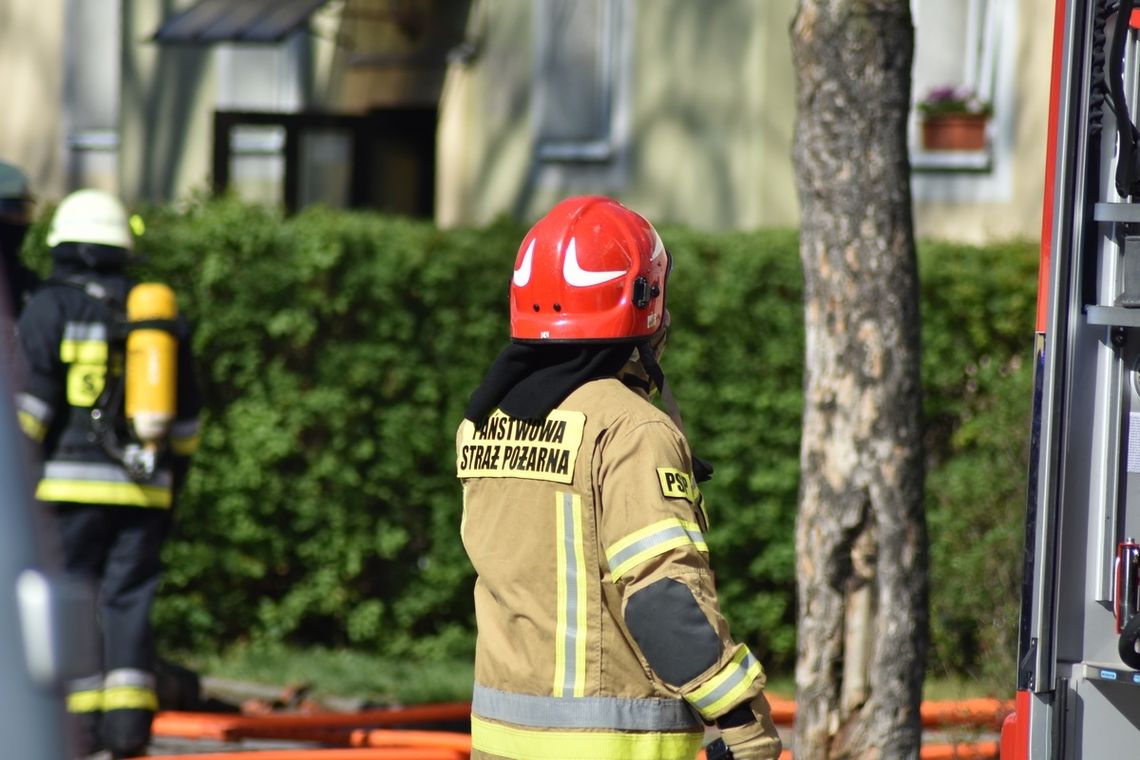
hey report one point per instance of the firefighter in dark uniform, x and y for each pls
(15, 217)
(110, 496)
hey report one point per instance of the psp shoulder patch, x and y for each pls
(676, 484)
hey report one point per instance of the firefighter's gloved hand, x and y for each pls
(749, 732)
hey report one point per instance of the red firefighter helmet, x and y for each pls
(590, 270)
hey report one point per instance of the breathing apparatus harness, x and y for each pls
(109, 423)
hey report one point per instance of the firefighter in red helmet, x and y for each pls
(599, 631)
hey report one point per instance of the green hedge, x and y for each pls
(338, 350)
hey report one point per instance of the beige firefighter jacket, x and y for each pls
(599, 632)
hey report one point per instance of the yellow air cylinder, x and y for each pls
(151, 362)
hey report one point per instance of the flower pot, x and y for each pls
(964, 131)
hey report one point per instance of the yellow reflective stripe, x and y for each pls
(541, 744)
(656, 539)
(184, 447)
(727, 687)
(570, 636)
(129, 698)
(87, 701)
(101, 492)
(83, 351)
(32, 427)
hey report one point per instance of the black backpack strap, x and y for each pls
(93, 290)
(121, 326)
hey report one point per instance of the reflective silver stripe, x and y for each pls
(615, 713)
(37, 407)
(619, 559)
(129, 677)
(570, 648)
(87, 683)
(737, 677)
(100, 473)
(85, 331)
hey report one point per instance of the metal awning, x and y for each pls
(211, 21)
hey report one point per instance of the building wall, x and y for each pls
(170, 94)
(1007, 204)
(166, 107)
(704, 137)
(710, 116)
(713, 114)
(31, 83)
(392, 54)
(483, 139)
(704, 129)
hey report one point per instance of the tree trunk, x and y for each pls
(861, 534)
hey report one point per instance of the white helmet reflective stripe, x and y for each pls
(90, 216)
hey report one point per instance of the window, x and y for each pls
(579, 82)
(967, 45)
(383, 159)
(957, 44)
(261, 78)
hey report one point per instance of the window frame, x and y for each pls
(612, 83)
(985, 175)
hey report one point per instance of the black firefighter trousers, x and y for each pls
(117, 549)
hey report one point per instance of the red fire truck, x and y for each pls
(1078, 679)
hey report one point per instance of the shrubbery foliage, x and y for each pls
(338, 351)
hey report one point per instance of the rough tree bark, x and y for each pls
(860, 534)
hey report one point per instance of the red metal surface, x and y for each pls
(1050, 168)
(1015, 730)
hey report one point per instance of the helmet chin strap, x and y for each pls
(702, 470)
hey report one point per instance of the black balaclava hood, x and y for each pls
(90, 256)
(527, 380)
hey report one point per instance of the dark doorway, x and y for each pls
(383, 159)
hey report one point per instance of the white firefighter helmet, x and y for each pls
(90, 216)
